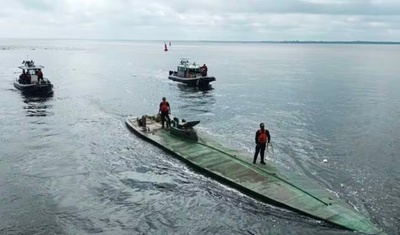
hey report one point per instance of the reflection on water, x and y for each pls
(186, 88)
(37, 105)
(195, 99)
(53, 149)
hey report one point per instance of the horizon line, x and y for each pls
(210, 40)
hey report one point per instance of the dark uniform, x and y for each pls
(22, 77)
(262, 138)
(39, 74)
(204, 70)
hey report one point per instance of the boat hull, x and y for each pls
(265, 183)
(197, 81)
(42, 88)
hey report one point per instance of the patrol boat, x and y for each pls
(190, 74)
(33, 85)
(234, 168)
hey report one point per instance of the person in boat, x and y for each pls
(22, 77)
(39, 74)
(165, 110)
(28, 78)
(262, 139)
(204, 70)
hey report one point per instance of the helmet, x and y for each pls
(261, 124)
(163, 98)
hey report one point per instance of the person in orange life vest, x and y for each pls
(204, 70)
(262, 139)
(165, 110)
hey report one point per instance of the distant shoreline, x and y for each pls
(333, 42)
(221, 41)
(307, 42)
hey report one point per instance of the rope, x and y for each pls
(272, 153)
(258, 169)
(262, 170)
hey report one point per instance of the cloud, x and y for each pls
(202, 19)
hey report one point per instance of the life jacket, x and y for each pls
(164, 106)
(262, 137)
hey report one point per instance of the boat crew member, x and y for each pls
(28, 77)
(165, 110)
(262, 138)
(39, 75)
(204, 70)
(22, 77)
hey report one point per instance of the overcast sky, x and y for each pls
(377, 20)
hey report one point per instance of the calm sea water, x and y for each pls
(68, 164)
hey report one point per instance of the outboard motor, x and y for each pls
(171, 72)
(184, 130)
(176, 122)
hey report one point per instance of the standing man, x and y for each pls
(262, 138)
(204, 70)
(39, 74)
(165, 110)
(22, 77)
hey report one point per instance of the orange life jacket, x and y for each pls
(262, 137)
(164, 106)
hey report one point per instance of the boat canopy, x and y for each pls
(189, 66)
(185, 64)
(30, 65)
